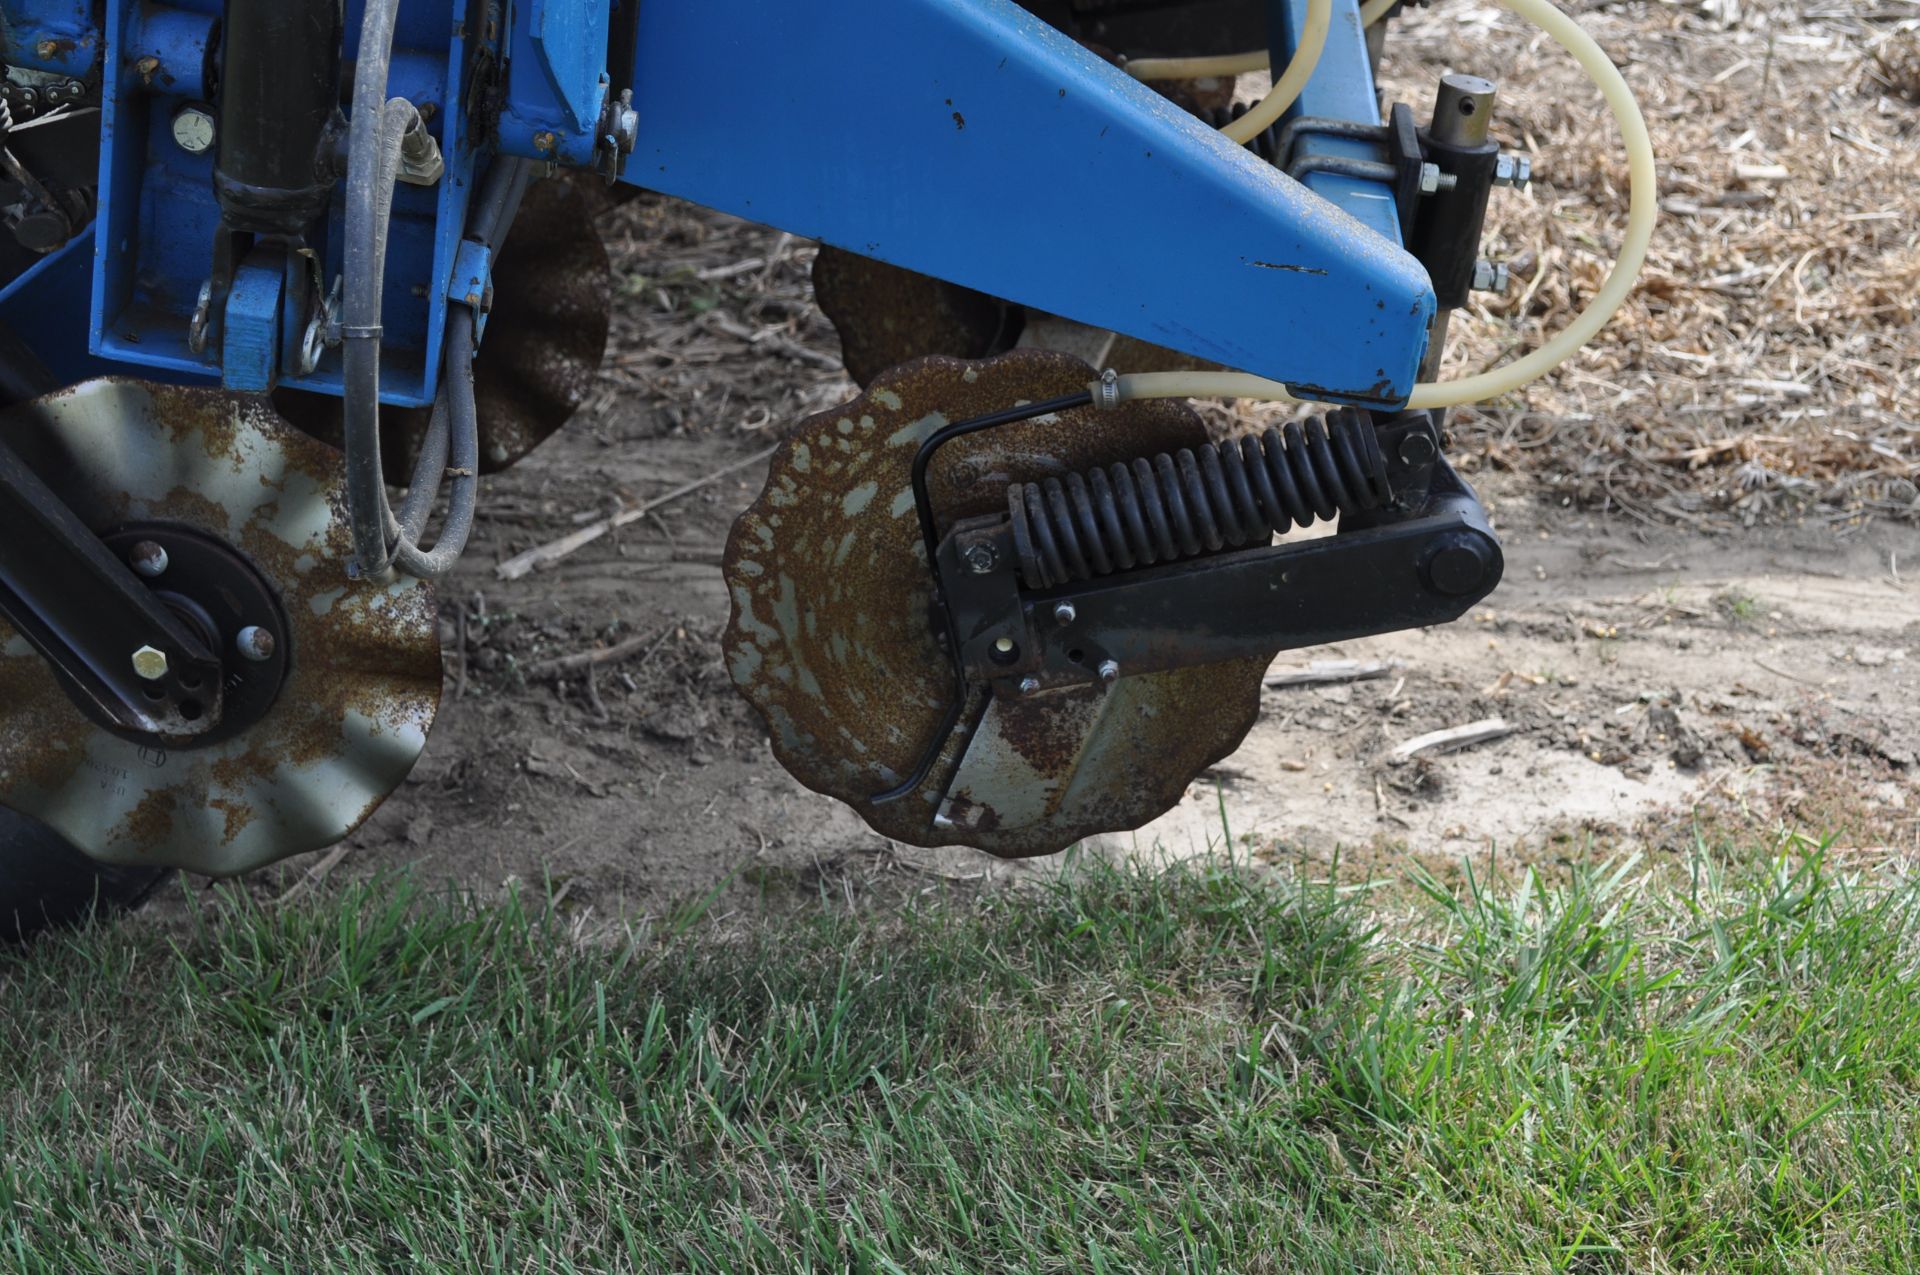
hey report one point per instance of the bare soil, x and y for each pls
(1661, 683)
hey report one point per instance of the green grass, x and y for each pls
(1709, 1069)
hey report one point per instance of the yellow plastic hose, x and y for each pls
(1374, 10)
(1642, 212)
(1286, 88)
(1198, 68)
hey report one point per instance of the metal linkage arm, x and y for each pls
(120, 647)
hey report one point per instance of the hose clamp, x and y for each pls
(1107, 395)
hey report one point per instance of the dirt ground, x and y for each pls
(1710, 624)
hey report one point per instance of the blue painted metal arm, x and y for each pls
(968, 140)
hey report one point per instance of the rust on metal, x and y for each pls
(832, 638)
(363, 683)
(887, 315)
(544, 341)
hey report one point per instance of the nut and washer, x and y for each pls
(150, 663)
(148, 559)
(1489, 276)
(1063, 613)
(1515, 171)
(1109, 671)
(254, 643)
(1029, 685)
(979, 557)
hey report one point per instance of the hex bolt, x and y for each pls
(1433, 181)
(980, 557)
(254, 643)
(1417, 449)
(1063, 613)
(148, 559)
(1029, 685)
(150, 663)
(1489, 276)
(1515, 171)
(194, 130)
(1109, 671)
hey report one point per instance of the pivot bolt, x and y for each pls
(1459, 566)
(194, 130)
(980, 557)
(1433, 181)
(1417, 449)
(1489, 276)
(1515, 171)
(1064, 613)
(254, 643)
(1029, 685)
(1109, 671)
(150, 663)
(148, 559)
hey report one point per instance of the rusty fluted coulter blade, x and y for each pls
(832, 642)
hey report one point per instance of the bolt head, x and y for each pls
(1417, 449)
(150, 663)
(1459, 567)
(194, 130)
(1064, 613)
(254, 643)
(148, 559)
(1109, 671)
(1029, 686)
(980, 557)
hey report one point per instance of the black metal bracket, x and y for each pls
(1427, 570)
(1400, 163)
(130, 658)
(1427, 559)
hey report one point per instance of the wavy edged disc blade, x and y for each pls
(363, 681)
(832, 640)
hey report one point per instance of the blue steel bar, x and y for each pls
(968, 140)
(1340, 88)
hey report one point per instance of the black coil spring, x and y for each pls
(1232, 493)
